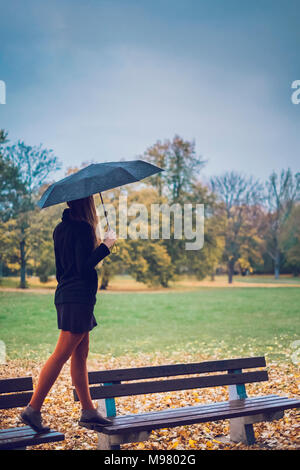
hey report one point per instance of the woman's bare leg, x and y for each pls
(79, 373)
(66, 343)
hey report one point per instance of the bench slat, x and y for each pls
(174, 369)
(19, 437)
(186, 410)
(188, 417)
(14, 400)
(245, 405)
(140, 388)
(20, 431)
(19, 384)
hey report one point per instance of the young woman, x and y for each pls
(77, 252)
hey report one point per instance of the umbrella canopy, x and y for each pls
(96, 178)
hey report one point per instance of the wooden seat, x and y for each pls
(21, 437)
(241, 410)
(199, 414)
(14, 393)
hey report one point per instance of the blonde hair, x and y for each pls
(85, 210)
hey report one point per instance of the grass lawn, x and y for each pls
(236, 321)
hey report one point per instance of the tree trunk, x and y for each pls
(230, 266)
(23, 265)
(277, 264)
(104, 278)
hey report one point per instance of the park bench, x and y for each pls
(242, 411)
(14, 393)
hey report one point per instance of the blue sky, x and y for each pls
(104, 80)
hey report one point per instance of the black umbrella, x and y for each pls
(96, 178)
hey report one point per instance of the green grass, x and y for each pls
(236, 321)
(262, 279)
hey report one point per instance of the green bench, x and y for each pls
(14, 393)
(241, 410)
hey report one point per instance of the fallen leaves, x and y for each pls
(62, 413)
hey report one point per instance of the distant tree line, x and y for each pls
(250, 226)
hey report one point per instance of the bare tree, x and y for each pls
(282, 191)
(240, 197)
(34, 164)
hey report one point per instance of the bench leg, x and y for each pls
(113, 442)
(241, 429)
(106, 442)
(241, 432)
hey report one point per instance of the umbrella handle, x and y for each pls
(114, 248)
(105, 212)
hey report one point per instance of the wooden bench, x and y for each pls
(14, 393)
(242, 411)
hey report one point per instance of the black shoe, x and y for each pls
(33, 419)
(93, 419)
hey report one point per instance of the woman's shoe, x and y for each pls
(92, 418)
(33, 419)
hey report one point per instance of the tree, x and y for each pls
(240, 197)
(290, 239)
(9, 252)
(157, 155)
(145, 260)
(11, 186)
(282, 191)
(181, 164)
(40, 250)
(176, 186)
(11, 191)
(34, 165)
(204, 262)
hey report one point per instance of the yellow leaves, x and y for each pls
(192, 443)
(62, 414)
(141, 446)
(218, 442)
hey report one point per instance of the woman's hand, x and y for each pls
(110, 238)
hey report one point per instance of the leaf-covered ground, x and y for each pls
(62, 413)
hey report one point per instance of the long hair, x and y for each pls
(85, 210)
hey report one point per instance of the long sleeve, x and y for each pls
(87, 257)
(57, 260)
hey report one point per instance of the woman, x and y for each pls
(77, 252)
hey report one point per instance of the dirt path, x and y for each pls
(182, 287)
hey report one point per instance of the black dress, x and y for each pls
(75, 259)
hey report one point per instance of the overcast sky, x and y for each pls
(104, 80)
